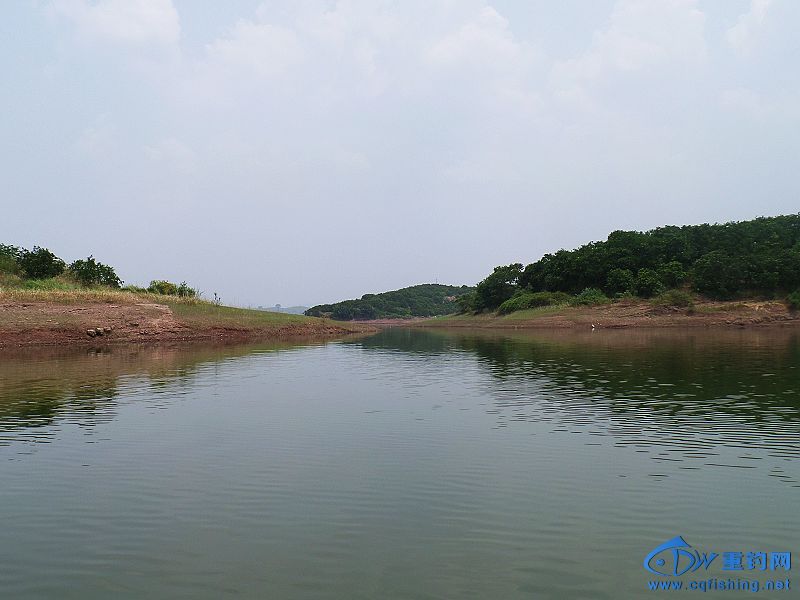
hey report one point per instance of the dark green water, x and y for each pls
(410, 464)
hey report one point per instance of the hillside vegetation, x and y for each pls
(426, 300)
(40, 269)
(747, 259)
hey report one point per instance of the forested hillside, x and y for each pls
(426, 300)
(753, 258)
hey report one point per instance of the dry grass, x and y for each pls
(91, 295)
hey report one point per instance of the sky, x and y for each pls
(304, 151)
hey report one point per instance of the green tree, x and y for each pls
(672, 273)
(497, 287)
(647, 283)
(40, 263)
(91, 272)
(620, 281)
(718, 274)
(9, 258)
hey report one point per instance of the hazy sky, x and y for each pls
(304, 151)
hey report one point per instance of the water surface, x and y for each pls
(410, 464)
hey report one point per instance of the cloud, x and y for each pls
(173, 153)
(122, 21)
(98, 140)
(484, 41)
(640, 35)
(743, 36)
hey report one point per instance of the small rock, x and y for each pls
(109, 329)
(99, 330)
(91, 332)
(133, 324)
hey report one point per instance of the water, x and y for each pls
(409, 464)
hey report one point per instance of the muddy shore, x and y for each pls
(92, 324)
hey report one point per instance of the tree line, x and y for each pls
(756, 258)
(426, 300)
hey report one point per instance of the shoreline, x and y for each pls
(128, 319)
(631, 314)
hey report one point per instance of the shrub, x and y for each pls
(466, 303)
(40, 263)
(672, 273)
(793, 300)
(718, 274)
(620, 281)
(527, 300)
(647, 283)
(184, 291)
(9, 257)
(91, 272)
(589, 297)
(163, 287)
(674, 298)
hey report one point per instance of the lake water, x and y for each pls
(409, 464)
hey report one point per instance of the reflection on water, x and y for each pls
(408, 464)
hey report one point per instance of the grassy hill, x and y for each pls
(426, 300)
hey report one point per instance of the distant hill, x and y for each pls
(289, 310)
(426, 300)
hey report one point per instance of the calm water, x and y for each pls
(405, 465)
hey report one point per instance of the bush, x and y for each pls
(672, 273)
(466, 303)
(620, 281)
(163, 287)
(184, 291)
(647, 283)
(674, 298)
(718, 274)
(40, 263)
(90, 272)
(527, 300)
(793, 300)
(589, 297)
(9, 257)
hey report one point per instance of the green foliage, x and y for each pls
(159, 286)
(467, 303)
(647, 283)
(672, 274)
(620, 281)
(40, 263)
(678, 298)
(590, 297)
(497, 287)
(184, 291)
(425, 300)
(91, 272)
(718, 274)
(793, 300)
(761, 256)
(9, 259)
(523, 300)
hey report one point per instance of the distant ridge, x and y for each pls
(425, 300)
